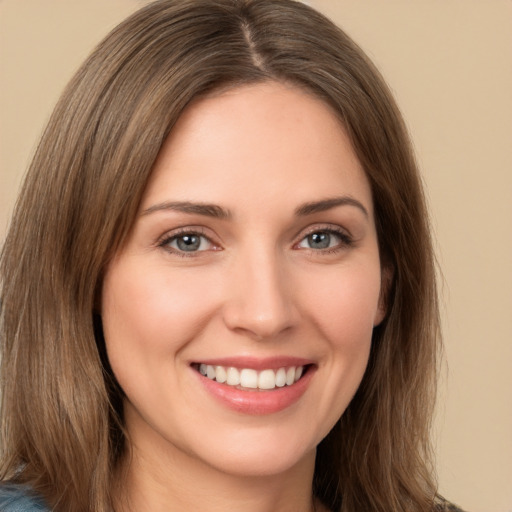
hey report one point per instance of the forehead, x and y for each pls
(261, 142)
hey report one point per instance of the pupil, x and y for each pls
(188, 242)
(320, 240)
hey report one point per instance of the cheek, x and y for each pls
(345, 305)
(344, 313)
(150, 315)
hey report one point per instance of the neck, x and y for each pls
(175, 481)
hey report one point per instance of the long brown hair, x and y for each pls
(62, 427)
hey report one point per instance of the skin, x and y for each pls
(257, 286)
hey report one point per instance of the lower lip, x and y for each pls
(257, 402)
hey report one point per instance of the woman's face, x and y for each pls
(253, 260)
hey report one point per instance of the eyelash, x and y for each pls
(346, 241)
(182, 232)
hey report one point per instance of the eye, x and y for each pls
(325, 239)
(187, 242)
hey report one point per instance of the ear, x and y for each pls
(386, 282)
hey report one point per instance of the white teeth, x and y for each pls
(233, 377)
(220, 374)
(280, 377)
(210, 371)
(249, 378)
(252, 379)
(290, 376)
(267, 379)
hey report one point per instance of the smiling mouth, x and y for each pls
(248, 379)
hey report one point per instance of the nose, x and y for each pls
(260, 300)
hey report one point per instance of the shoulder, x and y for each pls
(19, 498)
(445, 506)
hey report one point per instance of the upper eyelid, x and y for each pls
(334, 228)
(345, 237)
(202, 231)
(165, 241)
(185, 230)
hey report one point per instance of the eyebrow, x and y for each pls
(327, 204)
(206, 209)
(217, 212)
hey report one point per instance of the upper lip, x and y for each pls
(256, 363)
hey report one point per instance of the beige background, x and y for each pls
(449, 64)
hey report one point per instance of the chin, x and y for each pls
(265, 463)
(268, 450)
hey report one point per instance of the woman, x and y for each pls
(218, 286)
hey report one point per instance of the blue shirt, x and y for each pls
(19, 498)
